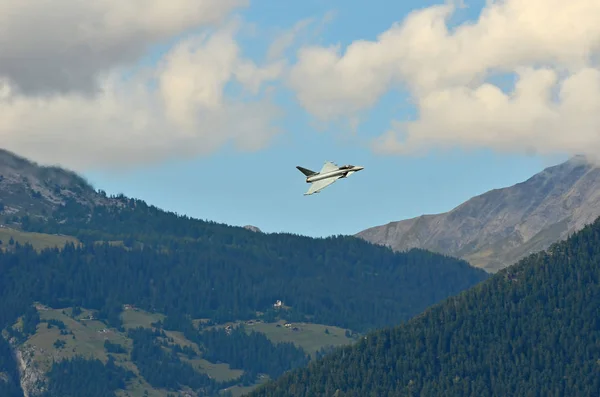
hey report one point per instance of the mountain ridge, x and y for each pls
(497, 228)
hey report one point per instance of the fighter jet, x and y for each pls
(328, 174)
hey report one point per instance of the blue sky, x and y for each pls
(264, 188)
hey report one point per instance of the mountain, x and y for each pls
(497, 228)
(130, 297)
(34, 190)
(533, 329)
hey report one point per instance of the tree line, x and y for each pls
(344, 282)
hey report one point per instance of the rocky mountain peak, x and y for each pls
(495, 229)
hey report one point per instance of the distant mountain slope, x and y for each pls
(533, 329)
(499, 227)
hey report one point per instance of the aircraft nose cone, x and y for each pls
(358, 168)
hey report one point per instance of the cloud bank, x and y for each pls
(551, 47)
(78, 87)
(72, 90)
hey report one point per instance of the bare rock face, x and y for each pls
(33, 381)
(253, 228)
(499, 227)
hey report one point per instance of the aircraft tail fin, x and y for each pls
(306, 171)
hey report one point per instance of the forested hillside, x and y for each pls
(338, 281)
(193, 274)
(9, 374)
(531, 330)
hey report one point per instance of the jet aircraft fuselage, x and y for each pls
(342, 172)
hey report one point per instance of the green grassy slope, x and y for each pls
(39, 241)
(84, 336)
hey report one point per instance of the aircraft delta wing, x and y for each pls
(317, 186)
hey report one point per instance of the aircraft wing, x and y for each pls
(328, 167)
(317, 186)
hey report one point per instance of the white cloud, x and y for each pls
(528, 120)
(553, 46)
(175, 109)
